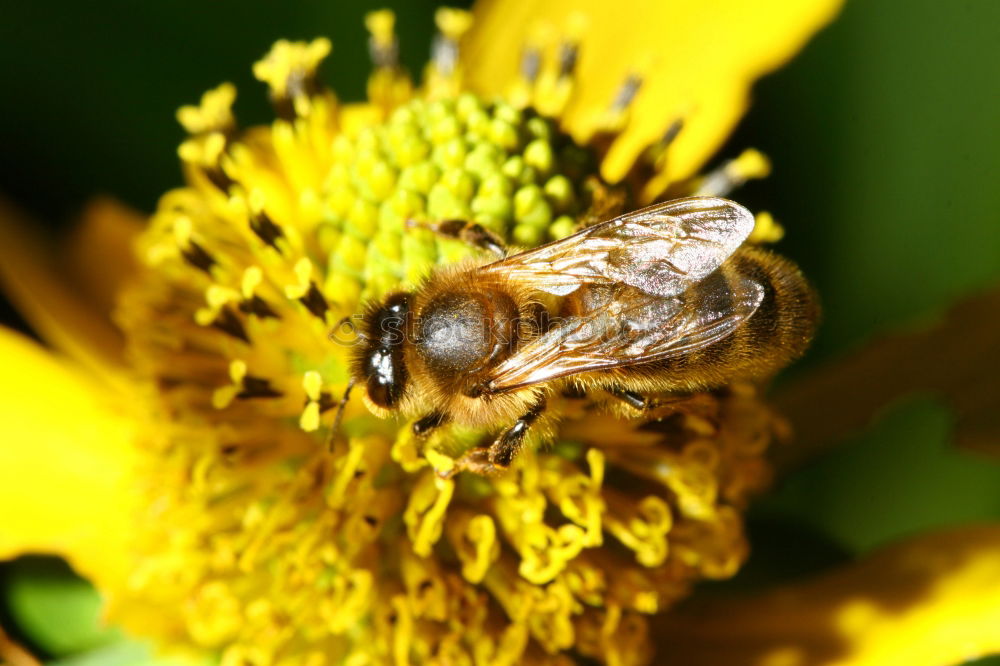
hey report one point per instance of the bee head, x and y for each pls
(379, 361)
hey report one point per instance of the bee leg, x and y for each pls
(630, 398)
(470, 232)
(506, 446)
(433, 420)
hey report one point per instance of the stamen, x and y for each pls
(198, 257)
(266, 229)
(751, 164)
(213, 114)
(626, 93)
(312, 382)
(252, 303)
(383, 45)
(289, 69)
(554, 87)
(671, 133)
(531, 64)
(315, 302)
(765, 229)
(257, 387)
(388, 86)
(444, 77)
(257, 306)
(569, 53)
(229, 323)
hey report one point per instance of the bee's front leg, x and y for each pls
(424, 425)
(470, 232)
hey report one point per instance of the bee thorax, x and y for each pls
(458, 333)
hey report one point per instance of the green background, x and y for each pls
(885, 140)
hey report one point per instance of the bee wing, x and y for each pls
(661, 250)
(623, 326)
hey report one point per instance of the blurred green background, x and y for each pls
(885, 139)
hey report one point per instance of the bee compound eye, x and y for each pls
(386, 377)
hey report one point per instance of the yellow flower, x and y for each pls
(195, 477)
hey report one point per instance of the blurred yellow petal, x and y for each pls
(99, 256)
(931, 601)
(65, 460)
(44, 292)
(694, 63)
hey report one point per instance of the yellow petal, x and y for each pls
(45, 293)
(696, 61)
(65, 459)
(930, 601)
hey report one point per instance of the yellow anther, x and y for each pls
(182, 230)
(303, 274)
(310, 419)
(223, 396)
(237, 371)
(750, 165)
(252, 278)
(424, 515)
(255, 200)
(312, 382)
(218, 296)
(766, 229)
(441, 463)
(381, 24)
(453, 23)
(289, 70)
(213, 114)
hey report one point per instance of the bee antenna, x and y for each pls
(340, 413)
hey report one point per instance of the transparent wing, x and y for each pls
(624, 326)
(660, 250)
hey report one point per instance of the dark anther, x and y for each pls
(326, 402)
(531, 63)
(314, 302)
(266, 229)
(672, 131)
(257, 387)
(219, 178)
(230, 324)
(627, 92)
(198, 257)
(568, 53)
(256, 305)
(371, 520)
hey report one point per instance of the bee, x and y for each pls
(665, 299)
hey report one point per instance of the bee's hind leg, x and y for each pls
(472, 233)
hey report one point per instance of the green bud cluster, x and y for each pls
(509, 170)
